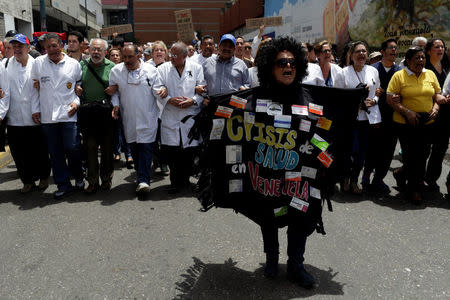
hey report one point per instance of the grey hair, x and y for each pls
(181, 46)
(418, 39)
(105, 43)
(52, 35)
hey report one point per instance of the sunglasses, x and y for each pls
(248, 47)
(283, 62)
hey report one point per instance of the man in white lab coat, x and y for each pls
(137, 103)
(56, 109)
(179, 76)
(26, 139)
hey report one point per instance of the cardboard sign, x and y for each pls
(270, 21)
(108, 31)
(185, 26)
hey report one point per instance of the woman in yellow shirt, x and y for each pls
(414, 94)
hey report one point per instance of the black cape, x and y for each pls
(271, 169)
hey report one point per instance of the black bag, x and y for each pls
(95, 115)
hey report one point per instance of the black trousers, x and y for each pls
(29, 150)
(381, 148)
(92, 141)
(296, 242)
(416, 143)
(440, 139)
(180, 162)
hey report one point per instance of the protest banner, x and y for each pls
(108, 31)
(185, 26)
(269, 21)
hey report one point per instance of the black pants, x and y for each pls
(92, 141)
(381, 148)
(29, 151)
(180, 162)
(296, 242)
(439, 147)
(416, 143)
(360, 143)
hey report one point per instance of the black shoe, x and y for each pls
(129, 164)
(297, 273)
(432, 187)
(91, 189)
(271, 269)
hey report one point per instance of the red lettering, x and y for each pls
(277, 187)
(305, 191)
(260, 185)
(289, 190)
(253, 174)
(297, 189)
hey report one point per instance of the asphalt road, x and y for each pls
(115, 246)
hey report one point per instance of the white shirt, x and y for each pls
(200, 59)
(369, 76)
(137, 101)
(57, 88)
(22, 93)
(253, 74)
(315, 76)
(4, 85)
(184, 86)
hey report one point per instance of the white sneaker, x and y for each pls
(143, 188)
(79, 184)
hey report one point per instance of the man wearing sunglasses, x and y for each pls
(225, 73)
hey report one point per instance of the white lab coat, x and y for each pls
(137, 102)
(4, 85)
(171, 125)
(57, 88)
(315, 76)
(369, 76)
(21, 95)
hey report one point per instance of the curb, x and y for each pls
(5, 157)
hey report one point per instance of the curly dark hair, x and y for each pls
(268, 54)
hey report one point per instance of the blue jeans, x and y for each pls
(120, 144)
(63, 142)
(142, 154)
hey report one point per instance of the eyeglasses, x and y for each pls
(326, 51)
(283, 62)
(247, 47)
(173, 55)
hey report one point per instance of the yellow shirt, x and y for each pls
(416, 92)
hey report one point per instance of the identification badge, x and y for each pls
(315, 109)
(324, 123)
(325, 158)
(281, 211)
(238, 102)
(283, 121)
(309, 172)
(293, 176)
(223, 111)
(274, 109)
(235, 186)
(249, 117)
(262, 105)
(299, 204)
(217, 129)
(233, 154)
(319, 142)
(305, 125)
(301, 110)
(313, 192)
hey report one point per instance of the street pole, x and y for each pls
(86, 11)
(43, 16)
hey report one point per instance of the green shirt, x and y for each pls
(92, 89)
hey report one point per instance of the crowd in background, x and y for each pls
(65, 103)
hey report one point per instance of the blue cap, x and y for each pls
(228, 37)
(21, 39)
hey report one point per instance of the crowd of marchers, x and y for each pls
(63, 103)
